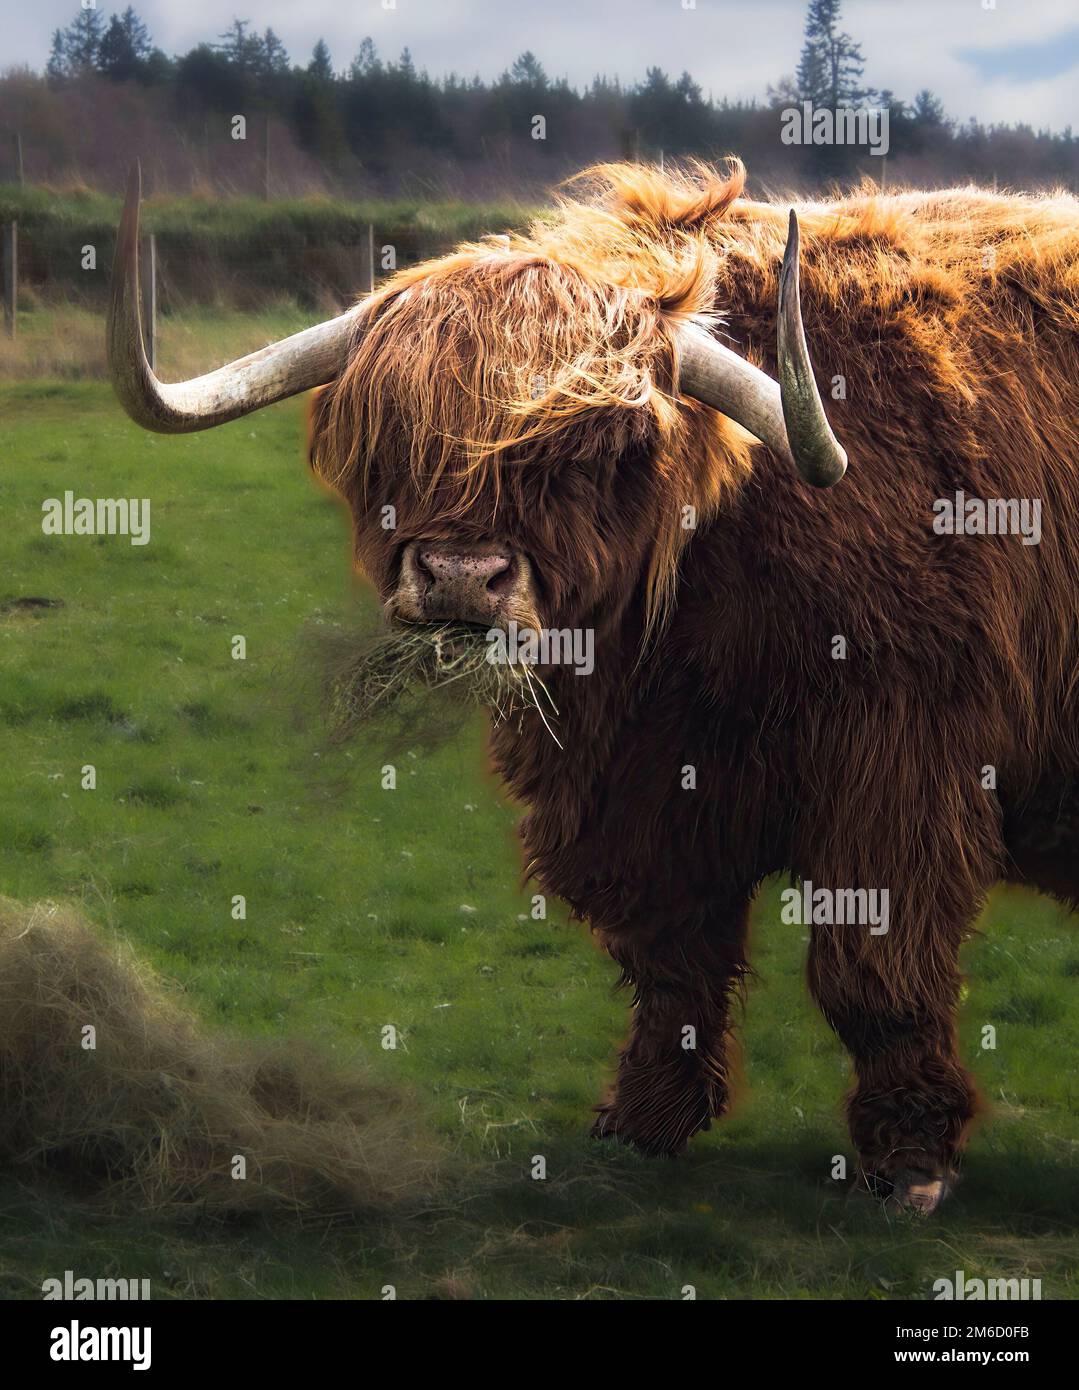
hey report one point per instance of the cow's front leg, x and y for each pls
(673, 1073)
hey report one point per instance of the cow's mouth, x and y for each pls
(452, 644)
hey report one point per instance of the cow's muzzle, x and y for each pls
(440, 582)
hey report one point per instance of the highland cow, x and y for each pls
(598, 427)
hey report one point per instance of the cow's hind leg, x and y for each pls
(673, 1073)
(894, 1011)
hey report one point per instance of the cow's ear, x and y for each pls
(318, 408)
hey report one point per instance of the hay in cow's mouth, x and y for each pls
(422, 680)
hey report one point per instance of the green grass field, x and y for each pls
(368, 907)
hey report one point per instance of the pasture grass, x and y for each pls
(66, 341)
(367, 908)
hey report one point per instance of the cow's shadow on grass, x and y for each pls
(731, 1219)
(790, 1180)
(766, 1219)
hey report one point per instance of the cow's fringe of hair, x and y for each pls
(524, 349)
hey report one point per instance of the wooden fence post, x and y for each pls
(11, 276)
(148, 288)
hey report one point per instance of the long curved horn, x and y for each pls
(307, 359)
(787, 414)
(819, 455)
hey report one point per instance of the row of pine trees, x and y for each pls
(375, 120)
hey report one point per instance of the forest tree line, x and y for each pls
(385, 128)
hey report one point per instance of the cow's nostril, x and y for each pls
(503, 578)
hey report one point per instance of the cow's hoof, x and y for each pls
(916, 1193)
(604, 1126)
(609, 1125)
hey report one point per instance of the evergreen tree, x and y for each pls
(785, 92)
(366, 60)
(688, 91)
(316, 110)
(273, 57)
(57, 64)
(650, 107)
(831, 66)
(206, 78)
(257, 55)
(321, 66)
(930, 127)
(75, 49)
(928, 110)
(241, 49)
(527, 71)
(125, 47)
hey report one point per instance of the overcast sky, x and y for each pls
(999, 60)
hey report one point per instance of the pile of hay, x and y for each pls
(157, 1112)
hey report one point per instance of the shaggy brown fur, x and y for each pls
(522, 389)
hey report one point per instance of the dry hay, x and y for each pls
(154, 1114)
(414, 685)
